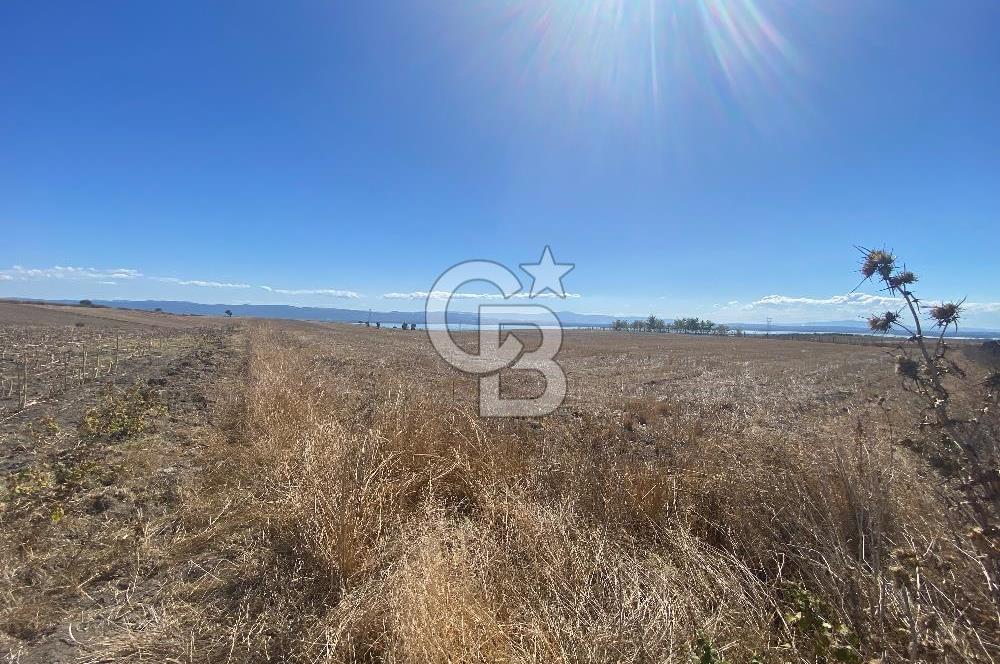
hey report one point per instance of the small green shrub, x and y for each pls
(811, 620)
(123, 415)
(705, 652)
(28, 482)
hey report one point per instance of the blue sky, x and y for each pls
(690, 157)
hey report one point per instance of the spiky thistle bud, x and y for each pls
(946, 313)
(878, 261)
(884, 322)
(897, 281)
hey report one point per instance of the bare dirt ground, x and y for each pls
(75, 499)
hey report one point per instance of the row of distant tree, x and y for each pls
(686, 325)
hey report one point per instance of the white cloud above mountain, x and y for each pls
(444, 295)
(332, 292)
(19, 273)
(200, 283)
(113, 277)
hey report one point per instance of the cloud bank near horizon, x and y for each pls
(794, 308)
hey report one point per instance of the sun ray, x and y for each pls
(634, 59)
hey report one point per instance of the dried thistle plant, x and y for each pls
(971, 438)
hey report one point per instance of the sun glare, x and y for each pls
(640, 57)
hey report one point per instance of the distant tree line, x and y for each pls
(682, 325)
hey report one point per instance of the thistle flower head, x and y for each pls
(904, 278)
(946, 313)
(878, 261)
(884, 322)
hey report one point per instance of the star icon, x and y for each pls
(546, 274)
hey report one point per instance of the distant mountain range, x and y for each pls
(326, 314)
(567, 318)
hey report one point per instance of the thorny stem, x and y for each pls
(920, 338)
(978, 474)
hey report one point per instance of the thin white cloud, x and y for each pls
(982, 307)
(444, 295)
(849, 301)
(111, 277)
(332, 292)
(853, 303)
(19, 273)
(440, 295)
(200, 283)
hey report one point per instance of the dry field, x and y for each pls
(277, 491)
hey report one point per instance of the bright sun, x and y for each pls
(638, 55)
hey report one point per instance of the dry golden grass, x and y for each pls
(726, 504)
